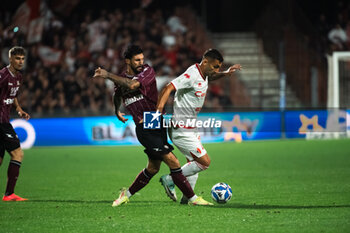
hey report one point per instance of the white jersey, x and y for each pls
(191, 89)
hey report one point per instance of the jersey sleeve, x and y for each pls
(184, 81)
(146, 77)
(3, 79)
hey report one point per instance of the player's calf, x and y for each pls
(2, 153)
(181, 182)
(17, 154)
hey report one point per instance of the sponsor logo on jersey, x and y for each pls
(133, 99)
(8, 101)
(200, 94)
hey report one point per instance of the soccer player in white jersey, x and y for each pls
(191, 88)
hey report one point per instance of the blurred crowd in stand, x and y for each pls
(334, 26)
(57, 77)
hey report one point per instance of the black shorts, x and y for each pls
(8, 139)
(155, 141)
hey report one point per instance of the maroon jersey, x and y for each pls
(9, 85)
(143, 99)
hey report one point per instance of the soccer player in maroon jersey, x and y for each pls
(10, 81)
(137, 89)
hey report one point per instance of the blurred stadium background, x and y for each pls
(295, 83)
(67, 40)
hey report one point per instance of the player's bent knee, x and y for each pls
(204, 162)
(202, 166)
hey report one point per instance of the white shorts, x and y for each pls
(188, 142)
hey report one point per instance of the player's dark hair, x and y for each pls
(213, 54)
(131, 51)
(17, 50)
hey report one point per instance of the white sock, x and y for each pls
(193, 198)
(128, 194)
(191, 168)
(192, 180)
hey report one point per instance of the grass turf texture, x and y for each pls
(278, 186)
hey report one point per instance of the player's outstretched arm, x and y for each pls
(163, 97)
(21, 113)
(228, 72)
(124, 82)
(117, 100)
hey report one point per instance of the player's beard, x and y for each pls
(135, 70)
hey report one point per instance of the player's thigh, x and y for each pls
(2, 151)
(189, 144)
(10, 141)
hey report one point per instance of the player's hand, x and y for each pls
(100, 73)
(233, 68)
(121, 117)
(23, 114)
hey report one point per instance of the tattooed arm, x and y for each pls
(121, 81)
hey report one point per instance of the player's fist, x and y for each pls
(23, 114)
(234, 68)
(121, 117)
(100, 73)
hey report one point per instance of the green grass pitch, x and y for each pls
(278, 186)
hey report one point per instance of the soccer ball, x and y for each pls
(221, 193)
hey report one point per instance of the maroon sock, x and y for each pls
(12, 176)
(141, 181)
(181, 182)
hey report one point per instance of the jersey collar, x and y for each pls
(8, 68)
(200, 71)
